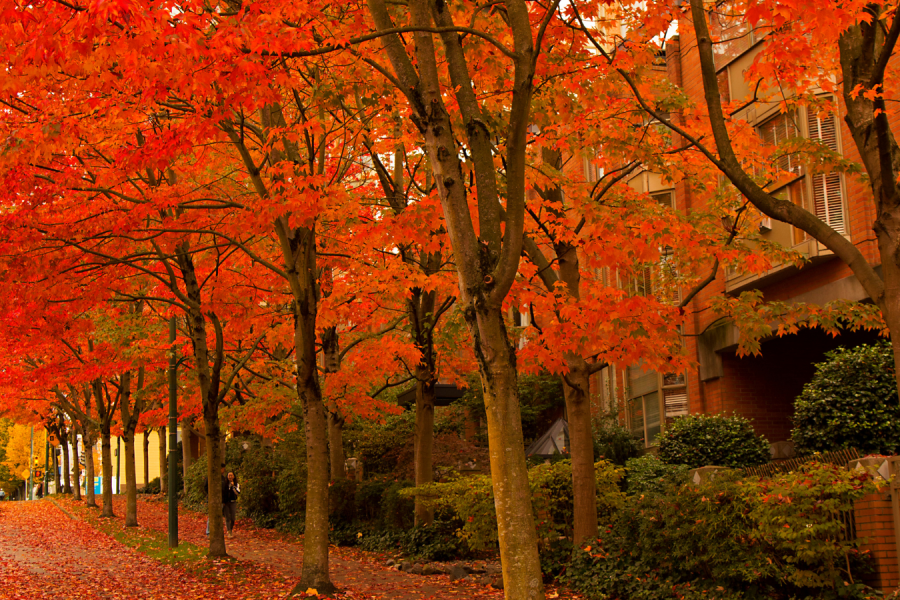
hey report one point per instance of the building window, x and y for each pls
(644, 408)
(822, 193)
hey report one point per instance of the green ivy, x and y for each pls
(719, 440)
(851, 402)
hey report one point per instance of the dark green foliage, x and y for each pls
(342, 501)
(614, 442)
(379, 445)
(259, 486)
(152, 487)
(539, 395)
(729, 538)
(397, 511)
(719, 440)
(647, 474)
(851, 402)
(196, 484)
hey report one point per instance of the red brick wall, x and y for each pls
(875, 526)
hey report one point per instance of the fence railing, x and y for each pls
(837, 457)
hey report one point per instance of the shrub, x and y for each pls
(196, 484)
(648, 474)
(342, 501)
(471, 500)
(851, 402)
(259, 497)
(613, 442)
(730, 538)
(720, 440)
(152, 487)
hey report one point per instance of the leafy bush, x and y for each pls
(196, 484)
(851, 402)
(471, 500)
(538, 396)
(259, 498)
(342, 501)
(614, 442)
(720, 440)
(648, 474)
(152, 487)
(730, 538)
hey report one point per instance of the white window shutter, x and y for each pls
(828, 199)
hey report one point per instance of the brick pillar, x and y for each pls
(875, 527)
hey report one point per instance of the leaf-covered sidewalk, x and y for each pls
(44, 554)
(362, 575)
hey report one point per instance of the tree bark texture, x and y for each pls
(130, 481)
(424, 438)
(64, 441)
(163, 461)
(486, 261)
(186, 454)
(107, 466)
(146, 440)
(88, 443)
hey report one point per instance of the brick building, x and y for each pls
(759, 387)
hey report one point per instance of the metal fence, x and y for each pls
(838, 457)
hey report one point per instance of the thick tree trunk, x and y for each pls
(424, 439)
(77, 465)
(130, 481)
(67, 480)
(91, 474)
(581, 439)
(509, 473)
(146, 440)
(163, 463)
(55, 462)
(214, 462)
(336, 446)
(186, 454)
(107, 467)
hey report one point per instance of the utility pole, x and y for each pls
(30, 491)
(173, 438)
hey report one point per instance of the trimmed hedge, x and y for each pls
(720, 440)
(851, 402)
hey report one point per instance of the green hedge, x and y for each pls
(851, 402)
(720, 440)
(728, 538)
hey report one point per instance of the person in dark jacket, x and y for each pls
(229, 502)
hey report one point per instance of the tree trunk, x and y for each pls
(581, 439)
(186, 454)
(55, 462)
(106, 459)
(163, 463)
(214, 462)
(424, 440)
(336, 446)
(90, 473)
(64, 441)
(130, 481)
(77, 466)
(146, 440)
(509, 474)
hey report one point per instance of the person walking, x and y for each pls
(229, 503)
